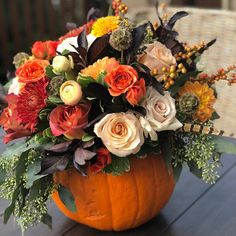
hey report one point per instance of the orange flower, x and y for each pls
(136, 93)
(44, 50)
(105, 64)
(103, 159)
(32, 70)
(206, 98)
(121, 79)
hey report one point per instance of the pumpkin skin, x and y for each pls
(117, 203)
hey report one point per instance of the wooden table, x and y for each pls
(195, 209)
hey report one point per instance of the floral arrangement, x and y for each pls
(99, 96)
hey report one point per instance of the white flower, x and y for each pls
(66, 44)
(161, 113)
(15, 87)
(121, 133)
(60, 64)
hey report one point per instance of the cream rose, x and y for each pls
(156, 56)
(160, 113)
(70, 92)
(121, 133)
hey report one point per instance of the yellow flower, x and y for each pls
(70, 92)
(205, 96)
(101, 65)
(105, 25)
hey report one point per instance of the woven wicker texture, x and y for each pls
(206, 25)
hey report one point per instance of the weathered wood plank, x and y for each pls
(213, 215)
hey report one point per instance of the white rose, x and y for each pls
(15, 87)
(66, 44)
(121, 133)
(161, 113)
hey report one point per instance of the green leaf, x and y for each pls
(8, 212)
(180, 81)
(181, 116)
(43, 114)
(32, 173)
(47, 220)
(118, 166)
(177, 172)
(100, 79)
(65, 52)
(49, 72)
(215, 116)
(55, 100)
(87, 137)
(69, 76)
(21, 166)
(67, 198)
(84, 81)
(194, 169)
(48, 133)
(223, 145)
(35, 188)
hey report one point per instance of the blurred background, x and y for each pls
(24, 21)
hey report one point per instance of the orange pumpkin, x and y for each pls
(108, 202)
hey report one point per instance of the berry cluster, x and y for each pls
(119, 7)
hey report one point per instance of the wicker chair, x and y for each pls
(204, 25)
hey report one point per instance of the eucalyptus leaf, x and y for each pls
(32, 173)
(67, 198)
(21, 166)
(55, 100)
(47, 220)
(118, 166)
(52, 164)
(82, 155)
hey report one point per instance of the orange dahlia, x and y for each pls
(205, 96)
(105, 64)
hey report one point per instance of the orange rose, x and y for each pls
(32, 70)
(136, 93)
(44, 50)
(103, 159)
(121, 79)
(69, 120)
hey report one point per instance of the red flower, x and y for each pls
(121, 79)
(32, 71)
(44, 50)
(69, 120)
(136, 93)
(103, 159)
(31, 100)
(77, 31)
(9, 122)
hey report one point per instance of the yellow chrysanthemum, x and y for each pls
(205, 96)
(101, 65)
(105, 25)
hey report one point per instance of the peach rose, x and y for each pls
(69, 120)
(121, 133)
(32, 71)
(121, 79)
(136, 93)
(161, 113)
(70, 92)
(156, 56)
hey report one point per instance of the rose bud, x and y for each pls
(60, 64)
(70, 92)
